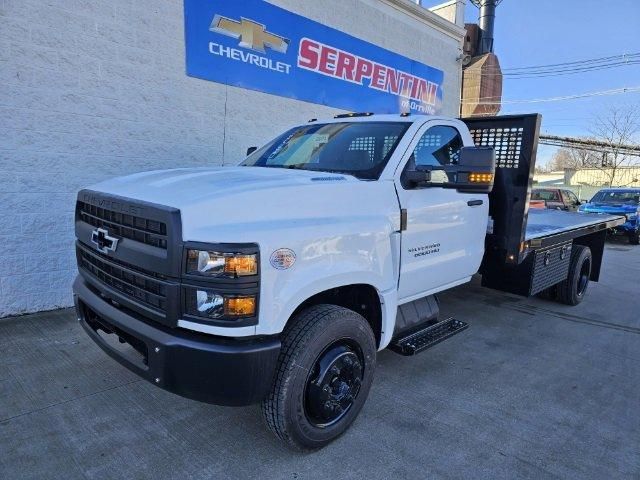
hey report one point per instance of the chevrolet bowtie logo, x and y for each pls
(103, 242)
(252, 35)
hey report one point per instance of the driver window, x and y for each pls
(440, 145)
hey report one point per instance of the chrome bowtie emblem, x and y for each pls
(251, 34)
(103, 242)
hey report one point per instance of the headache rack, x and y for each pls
(514, 139)
(525, 252)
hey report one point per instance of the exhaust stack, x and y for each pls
(481, 73)
(486, 22)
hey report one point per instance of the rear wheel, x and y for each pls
(572, 290)
(634, 238)
(325, 370)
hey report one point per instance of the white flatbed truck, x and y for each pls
(277, 281)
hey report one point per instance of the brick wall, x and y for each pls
(93, 89)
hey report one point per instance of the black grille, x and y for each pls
(140, 287)
(150, 232)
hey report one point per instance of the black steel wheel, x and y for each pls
(572, 290)
(324, 374)
(334, 384)
(583, 277)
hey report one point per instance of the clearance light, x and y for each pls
(480, 177)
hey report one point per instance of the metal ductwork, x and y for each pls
(486, 21)
(482, 76)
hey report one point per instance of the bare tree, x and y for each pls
(574, 158)
(619, 127)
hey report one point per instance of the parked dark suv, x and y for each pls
(556, 198)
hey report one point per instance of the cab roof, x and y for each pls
(387, 117)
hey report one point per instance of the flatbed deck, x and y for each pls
(525, 250)
(551, 223)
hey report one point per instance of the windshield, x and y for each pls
(361, 149)
(611, 196)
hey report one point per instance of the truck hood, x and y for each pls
(238, 202)
(186, 186)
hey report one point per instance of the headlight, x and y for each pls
(631, 216)
(209, 304)
(216, 264)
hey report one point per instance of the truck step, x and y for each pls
(427, 337)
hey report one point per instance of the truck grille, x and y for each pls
(150, 232)
(139, 286)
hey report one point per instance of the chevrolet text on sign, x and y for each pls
(255, 45)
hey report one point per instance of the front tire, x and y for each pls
(324, 374)
(634, 238)
(572, 290)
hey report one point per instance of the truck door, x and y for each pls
(443, 242)
(570, 200)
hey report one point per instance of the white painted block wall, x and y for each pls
(94, 89)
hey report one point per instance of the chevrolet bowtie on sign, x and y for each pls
(251, 34)
(255, 45)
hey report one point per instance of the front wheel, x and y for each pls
(634, 238)
(324, 373)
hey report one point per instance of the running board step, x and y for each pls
(427, 337)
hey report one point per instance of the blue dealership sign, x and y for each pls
(255, 45)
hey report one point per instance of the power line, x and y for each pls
(552, 73)
(566, 68)
(622, 57)
(555, 73)
(615, 91)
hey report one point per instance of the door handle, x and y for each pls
(474, 203)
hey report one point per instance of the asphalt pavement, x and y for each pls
(533, 389)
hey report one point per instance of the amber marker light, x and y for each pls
(241, 265)
(480, 177)
(239, 306)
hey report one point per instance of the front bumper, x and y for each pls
(202, 367)
(630, 226)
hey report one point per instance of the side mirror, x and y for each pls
(474, 172)
(250, 150)
(419, 177)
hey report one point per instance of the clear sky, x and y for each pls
(541, 32)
